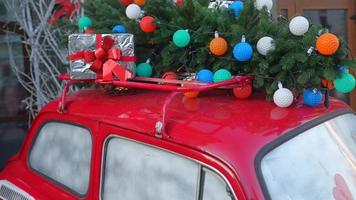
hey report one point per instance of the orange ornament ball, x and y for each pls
(327, 44)
(327, 84)
(191, 95)
(243, 92)
(218, 46)
(139, 2)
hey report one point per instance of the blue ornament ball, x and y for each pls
(243, 52)
(312, 97)
(205, 76)
(236, 7)
(343, 69)
(119, 29)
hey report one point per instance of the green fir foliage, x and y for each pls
(288, 63)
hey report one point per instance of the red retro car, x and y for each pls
(215, 147)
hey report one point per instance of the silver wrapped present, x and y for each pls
(86, 51)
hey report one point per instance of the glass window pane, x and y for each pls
(215, 188)
(62, 152)
(318, 164)
(135, 171)
(334, 20)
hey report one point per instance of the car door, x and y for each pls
(139, 166)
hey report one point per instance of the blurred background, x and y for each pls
(338, 15)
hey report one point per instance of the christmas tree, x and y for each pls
(241, 37)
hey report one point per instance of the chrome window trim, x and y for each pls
(201, 166)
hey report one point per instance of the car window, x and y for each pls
(317, 164)
(135, 171)
(62, 152)
(215, 188)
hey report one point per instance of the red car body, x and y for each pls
(226, 134)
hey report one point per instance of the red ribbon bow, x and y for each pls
(105, 59)
(66, 8)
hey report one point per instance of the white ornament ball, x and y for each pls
(260, 4)
(283, 97)
(133, 11)
(299, 25)
(264, 45)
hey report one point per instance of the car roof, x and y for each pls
(216, 122)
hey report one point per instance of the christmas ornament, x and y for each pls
(144, 69)
(345, 84)
(327, 44)
(179, 3)
(84, 23)
(181, 38)
(133, 11)
(205, 76)
(139, 2)
(125, 2)
(222, 75)
(236, 7)
(243, 51)
(327, 84)
(343, 69)
(283, 97)
(218, 46)
(260, 4)
(191, 95)
(170, 76)
(89, 31)
(265, 45)
(312, 97)
(243, 92)
(299, 25)
(147, 25)
(119, 29)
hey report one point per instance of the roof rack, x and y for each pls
(173, 86)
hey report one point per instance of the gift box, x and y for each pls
(102, 56)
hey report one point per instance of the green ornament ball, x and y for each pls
(222, 75)
(84, 23)
(144, 70)
(345, 84)
(181, 38)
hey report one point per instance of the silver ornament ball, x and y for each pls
(260, 4)
(299, 25)
(133, 11)
(265, 45)
(283, 97)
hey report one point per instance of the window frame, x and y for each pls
(57, 183)
(201, 165)
(287, 137)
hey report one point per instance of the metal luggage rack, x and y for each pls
(158, 84)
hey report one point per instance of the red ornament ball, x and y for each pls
(243, 92)
(126, 2)
(147, 25)
(179, 3)
(170, 76)
(89, 31)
